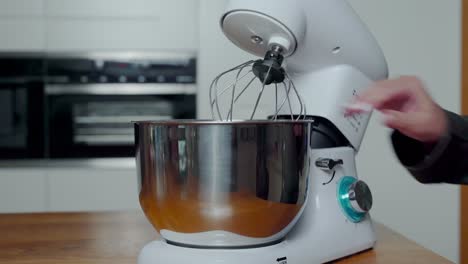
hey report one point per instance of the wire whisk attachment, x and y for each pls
(229, 87)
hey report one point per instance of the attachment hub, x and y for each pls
(269, 69)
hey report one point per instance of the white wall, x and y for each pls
(217, 54)
(419, 37)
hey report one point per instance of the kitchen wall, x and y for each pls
(420, 37)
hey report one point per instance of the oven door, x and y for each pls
(21, 112)
(100, 125)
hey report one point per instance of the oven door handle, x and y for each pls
(121, 89)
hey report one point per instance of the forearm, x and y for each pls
(446, 162)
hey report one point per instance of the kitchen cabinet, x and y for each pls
(22, 34)
(22, 25)
(68, 188)
(119, 34)
(138, 9)
(23, 190)
(122, 25)
(77, 189)
(21, 8)
(99, 25)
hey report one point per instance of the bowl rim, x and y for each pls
(183, 122)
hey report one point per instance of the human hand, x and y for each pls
(406, 106)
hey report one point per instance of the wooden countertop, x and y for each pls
(113, 238)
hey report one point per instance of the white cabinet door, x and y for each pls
(118, 34)
(22, 34)
(22, 190)
(72, 190)
(90, 25)
(25, 8)
(116, 8)
(22, 25)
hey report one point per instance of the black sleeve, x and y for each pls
(446, 162)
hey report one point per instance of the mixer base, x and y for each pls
(160, 252)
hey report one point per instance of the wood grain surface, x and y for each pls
(117, 237)
(464, 111)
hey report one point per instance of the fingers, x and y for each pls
(397, 120)
(385, 93)
(357, 107)
(374, 97)
(388, 94)
(414, 125)
(406, 107)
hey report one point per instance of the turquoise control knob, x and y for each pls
(354, 197)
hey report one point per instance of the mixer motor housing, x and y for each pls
(331, 56)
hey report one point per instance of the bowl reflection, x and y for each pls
(210, 184)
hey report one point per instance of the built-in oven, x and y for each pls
(93, 125)
(21, 103)
(91, 102)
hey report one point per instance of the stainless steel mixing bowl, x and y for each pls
(222, 184)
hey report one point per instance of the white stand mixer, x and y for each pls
(330, 56)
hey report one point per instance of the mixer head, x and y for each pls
(270, 73)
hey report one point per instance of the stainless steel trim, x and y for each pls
(164, 56)
(168, 56)
(121, 89)
(105, 140)
(125, 129)
(117, 119)
(196, 122)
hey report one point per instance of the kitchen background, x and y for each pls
(78, 52)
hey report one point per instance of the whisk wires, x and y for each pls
(296, 108)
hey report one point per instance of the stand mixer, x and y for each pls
(282, 190)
